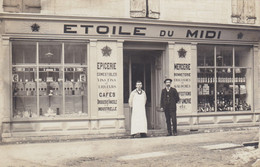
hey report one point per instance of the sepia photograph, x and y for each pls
(123, 83)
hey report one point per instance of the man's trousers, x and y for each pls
(170, 115)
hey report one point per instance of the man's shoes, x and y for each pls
(169, 134)
(143, 135)
(174, 134)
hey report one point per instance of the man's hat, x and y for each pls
(167, 79)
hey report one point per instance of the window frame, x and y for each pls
(62, 67)
(233, 67)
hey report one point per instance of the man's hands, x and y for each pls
(162, 109)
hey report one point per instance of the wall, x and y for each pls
(217, 11)
(93, 8)
(257, 78)
(213, 11)
(257, 9)
(1, 84)
(1, 7)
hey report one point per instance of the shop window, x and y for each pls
(22, 6)
(224, 78)
(243, 11)
(43, 84)
(145, 8)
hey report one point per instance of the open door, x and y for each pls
(141, 65)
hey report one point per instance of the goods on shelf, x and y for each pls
(241, 105)
(242, 89)
(224, 104)
(206, 78)
(42, 88)
(30, 88)
(206, 107)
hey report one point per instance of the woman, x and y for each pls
(137, 101)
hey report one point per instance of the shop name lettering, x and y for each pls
(182, 66)
(137, 31)
(106, 66)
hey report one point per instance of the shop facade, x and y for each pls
(73, 75)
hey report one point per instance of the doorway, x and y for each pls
(141, 65)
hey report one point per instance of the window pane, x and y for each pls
(50, 52)
(75, 53)
(243, 56)
(225, 89)
(24, 92)
(50, 91)
(75, 86)
(206, 90)
(243, 89)
(205, 55)
(23, 52)
(224, 55)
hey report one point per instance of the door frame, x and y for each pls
(155, 83)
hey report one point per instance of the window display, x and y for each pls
(24, 92)
(49, 87)
(75, 90)
(224, 89)
(224, 78)
(206, 89)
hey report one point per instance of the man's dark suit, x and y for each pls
(168, 103)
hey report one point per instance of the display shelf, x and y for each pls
(225, 94)
(50, 96)
(74, 95)
(24, 82)
(240, 83)
(206, 95)
(205, 67)
(205, 83)
(24, 96)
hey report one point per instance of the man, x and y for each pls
(169, 98)
(137, 101)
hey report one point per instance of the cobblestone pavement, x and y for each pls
(213, 149)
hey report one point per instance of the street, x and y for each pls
(194, 150)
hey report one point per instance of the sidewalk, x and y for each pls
(183, 150)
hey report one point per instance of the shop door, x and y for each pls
(140, 65)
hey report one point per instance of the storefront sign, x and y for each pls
(107, 100)
(129, 29)
(139, 31)
(182, 79)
